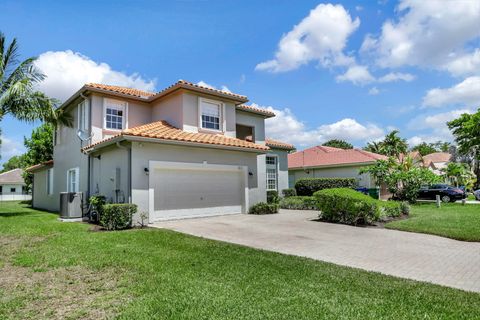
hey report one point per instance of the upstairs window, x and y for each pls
(83, 116)
(210, 112)
(114, 114)
(271, 160)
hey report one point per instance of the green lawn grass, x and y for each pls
(159, 274)
(451, 220)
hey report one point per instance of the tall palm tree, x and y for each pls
(393, 145)
(18, 96)
(375, 147)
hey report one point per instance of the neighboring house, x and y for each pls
(12, 186)
(185, 151)
(437, 161)
(330, 162)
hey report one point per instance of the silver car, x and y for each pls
(477, 194)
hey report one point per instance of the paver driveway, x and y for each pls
(409, 255)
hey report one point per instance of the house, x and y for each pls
(12, 186)
(330, 162)
(186, 151)
(437, 161)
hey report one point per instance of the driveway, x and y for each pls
(403, 254)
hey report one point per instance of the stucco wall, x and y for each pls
(255, 121)
(41, 199)
(332, 172)
(169, 109)
(142, 153)
(6, 189)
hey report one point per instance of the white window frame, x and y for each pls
(221, 113)
(76, 187)
(83, 116)
(115, 104)
(49, 181)
(275, 178)
(269, 166)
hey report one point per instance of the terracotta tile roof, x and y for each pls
(278, 144)
(13, 176)
(437, 157)
(257, 110)
(162, 130)
(329, 156)
(123, 90)
(40, 166)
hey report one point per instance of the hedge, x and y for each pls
(272, 196)
(264, 208)
(348, 206)
(308, 186)
(299, 203)
(117, 216)
(290, 192)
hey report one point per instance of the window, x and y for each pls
(72, 180)
(13, 190)
(114, 114)
(271, 160)
(271, 179)
(83, 116)
(210, 114)
(50, 181)
(1, 189)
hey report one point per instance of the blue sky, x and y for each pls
(351, 69)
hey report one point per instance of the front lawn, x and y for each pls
(452, 220)
(51, 269)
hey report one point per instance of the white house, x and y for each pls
(185, 151)
(12, 186)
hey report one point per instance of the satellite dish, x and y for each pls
(83, 135)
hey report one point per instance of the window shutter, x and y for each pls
(77, 180)
(211, 110)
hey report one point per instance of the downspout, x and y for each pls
(129, 168)
(89, 158)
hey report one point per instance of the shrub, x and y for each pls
(299, 203)
(308, 186)
(347, 206)
(390, 208)
(405, 207)
(290, 192)
(272, 196)
(117, 216)
(264, 208)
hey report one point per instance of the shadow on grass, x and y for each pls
(18, 214)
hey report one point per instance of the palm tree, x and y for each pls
(393, 145)
(375, 147)
(18, 96)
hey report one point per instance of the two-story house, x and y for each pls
(185, 151)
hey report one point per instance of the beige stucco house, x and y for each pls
(185, 151)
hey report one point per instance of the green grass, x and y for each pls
(450, 220)
(166, 275)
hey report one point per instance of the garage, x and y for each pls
(188, 190)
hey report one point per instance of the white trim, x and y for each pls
(123, 109)
(221, 112)
(195, 166)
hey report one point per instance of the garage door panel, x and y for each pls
(184, 192)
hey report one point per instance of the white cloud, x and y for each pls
(466, 64)
(207, 85)
(416, 140)
(373, 91)
(68, 71)
(396, 76)
(358, 8)
(10, 148)
(358, 75)
(287, 127)
(465, 93)
(320, 37)
(427, 33)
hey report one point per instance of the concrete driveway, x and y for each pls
(403, 254)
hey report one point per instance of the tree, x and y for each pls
(459, 174)
(39, 148)
(443, 146)
(466, 130)
(336, 143)
(14, 163)
(393, 145)
(375, 147)
(425, 148)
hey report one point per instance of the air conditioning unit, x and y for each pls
(71, 205)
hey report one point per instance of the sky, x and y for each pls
(351, 70)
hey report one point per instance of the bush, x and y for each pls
(308, 186)
(117, 216)
(405, 207)
(290, 192)
(348, 206)
(299, 203)
(264, 208)
(390, 208)
(272, 196)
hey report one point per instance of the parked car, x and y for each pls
(446, 192)
(477, 194)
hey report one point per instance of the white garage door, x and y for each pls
(199, 190)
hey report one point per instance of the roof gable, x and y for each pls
(14, 176)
